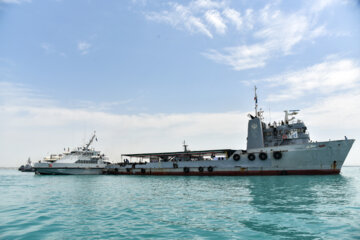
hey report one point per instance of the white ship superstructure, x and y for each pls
(272, 149)
(80, 161)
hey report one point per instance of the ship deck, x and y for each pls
(199, 153)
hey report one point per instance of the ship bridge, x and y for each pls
(286, 132)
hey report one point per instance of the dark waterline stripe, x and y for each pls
(235, 173)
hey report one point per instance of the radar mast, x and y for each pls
(185, 146)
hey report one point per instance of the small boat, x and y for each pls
(80, 161)
(27, 167)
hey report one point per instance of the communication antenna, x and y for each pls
(256, 103)
(269, 113)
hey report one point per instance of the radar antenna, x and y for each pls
(290, 113)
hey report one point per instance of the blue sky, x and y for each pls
(148, 74)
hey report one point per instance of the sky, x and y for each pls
(147, 75)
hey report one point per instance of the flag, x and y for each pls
(96, 139)
(255, 98)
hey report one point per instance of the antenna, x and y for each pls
(269, 113)
(256, 103)
(185, 147)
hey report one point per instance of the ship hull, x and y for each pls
(320, 158)
(68, 171)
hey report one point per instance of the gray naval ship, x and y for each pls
(272, 149)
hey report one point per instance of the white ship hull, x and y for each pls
(68, 169)
(312, 158)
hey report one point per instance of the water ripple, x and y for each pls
(137, 207)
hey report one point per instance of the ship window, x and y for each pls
(86, 161)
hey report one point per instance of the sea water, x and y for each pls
(179, 207)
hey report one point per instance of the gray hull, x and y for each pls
(312, 158)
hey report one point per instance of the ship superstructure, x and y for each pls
(82, 160)
(277, 148)
(27, 167)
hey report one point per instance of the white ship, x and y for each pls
(272, 149)
(81, 161)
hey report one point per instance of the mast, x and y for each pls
(256, 103)
(185, 147)
(90, 142)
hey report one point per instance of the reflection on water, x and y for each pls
(112, 207)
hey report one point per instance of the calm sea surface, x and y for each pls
(138, 207)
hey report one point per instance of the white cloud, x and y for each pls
(83, 47)
(206, 4)
(214, 18)
(320, 5)
(50, 49)
(46, 47)
(197, 17)
(17, 94)
(141, 2)
(29, 128)
(181, 17)
(249, 16)
(277, 35)
(281, 32)
(273, 32)
(334, 117)
(242, 57)
(101, 106)
(325, 78)
(234, 16)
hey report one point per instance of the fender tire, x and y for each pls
(263, 156)
(277, 155)
(251, 157)
(236, 157)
